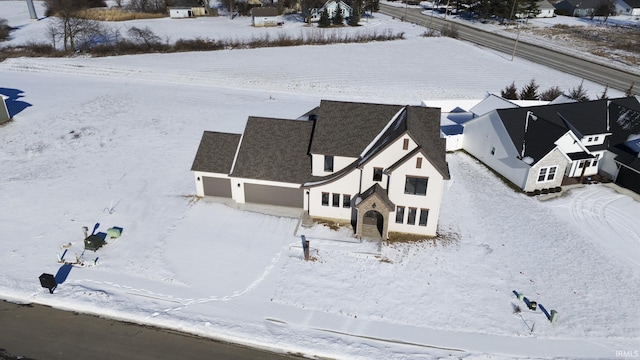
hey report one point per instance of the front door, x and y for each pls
(373, 223)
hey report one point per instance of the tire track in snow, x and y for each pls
(596, 213)
(188, 301)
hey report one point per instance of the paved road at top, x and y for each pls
(599, 73)
(43, 333)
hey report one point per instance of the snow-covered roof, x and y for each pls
(490, 103)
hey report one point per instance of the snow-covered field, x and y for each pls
(111, 141)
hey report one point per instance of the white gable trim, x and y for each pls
(364, 153)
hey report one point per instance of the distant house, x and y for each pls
(180, 12)
(628, 7)
(375, 166)
(577, 8)
(547, 10)
(331, 7)
(535, 147)
(4, 111)
(265, 16)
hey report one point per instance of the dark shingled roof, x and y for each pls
(346, 128)
(216, 152)
(275, 149)
(423, 125)
(624, 117)
(264, 11)
(584, 118)
(552, 121)
(633, 3)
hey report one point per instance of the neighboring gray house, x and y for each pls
(577, 8)
(373, 165)
(628, 7)
(535, 147)
(265, 16)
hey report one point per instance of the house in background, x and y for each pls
(180, 12)
(331, 7)
(380, 167)
(547, 10)
(577, 8)
(265, 16)
(536, 147)
(628, 7)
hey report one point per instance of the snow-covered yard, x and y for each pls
(111, 141)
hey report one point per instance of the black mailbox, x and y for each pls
(48, 281)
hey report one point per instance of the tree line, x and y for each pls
(531, 91)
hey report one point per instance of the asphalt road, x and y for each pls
(615, 78)
(42, 333)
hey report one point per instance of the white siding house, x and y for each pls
(180, 12)
(536, 147)
(380, 167)
(265, 16)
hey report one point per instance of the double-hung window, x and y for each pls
(346, 201)
(328, 163)
(335, 202)
(377, 174)
(325, 199)
(411, 217)
(416, 186)
(424, 215)
(400, 214)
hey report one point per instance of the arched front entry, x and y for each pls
(373, 207)
(373, 224)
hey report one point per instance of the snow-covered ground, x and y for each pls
(111, 141)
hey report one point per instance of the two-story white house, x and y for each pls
(372, 165)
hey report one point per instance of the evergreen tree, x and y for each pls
(354, 18)
(629, 91)
(530, 91)
(338, 19)
(579, 93)
(529, 8)
(324, 20)
(550, 94)
(510, 92)
(604, 94)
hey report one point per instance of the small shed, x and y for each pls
(265, 16)
(180, 12)
(4, 111)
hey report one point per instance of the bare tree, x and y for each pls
(605, 9)
(4, 30)
(144, 36)
(70, 27)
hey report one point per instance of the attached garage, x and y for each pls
(273, 195)
(629, 179)
(216, 186)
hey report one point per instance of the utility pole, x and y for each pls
(32, 10)
(515, 46)
(406, 4)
